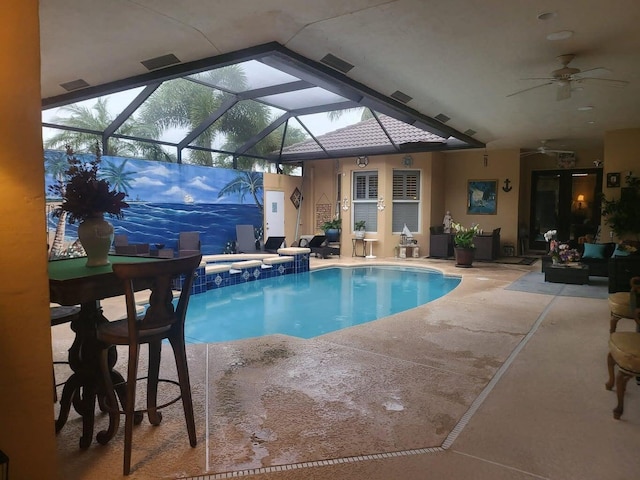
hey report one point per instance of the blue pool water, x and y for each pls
(312, 303)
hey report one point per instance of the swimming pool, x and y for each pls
(311, 303)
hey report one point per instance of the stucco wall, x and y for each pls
(621, 155)
(462, 166)
(26, 410)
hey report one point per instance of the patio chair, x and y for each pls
(159, 322)
(60, 314)
(321, 248)
(188, 244)
(245, 239)
(273, 244)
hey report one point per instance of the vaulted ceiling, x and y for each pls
(461, 59)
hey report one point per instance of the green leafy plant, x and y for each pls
(359, 225)
(623, 214)
(464, 235)
(334, 224)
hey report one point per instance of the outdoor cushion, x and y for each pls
(593, 250)
(618, 252)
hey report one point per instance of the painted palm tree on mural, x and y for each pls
(116, 175)
(57, 164)
(244, 183)
(92, 121)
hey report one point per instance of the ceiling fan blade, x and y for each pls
(530, 88)
(559, 151)
(604, 81)
(593, 72)
(564, 92)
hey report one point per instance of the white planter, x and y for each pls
(359, 234)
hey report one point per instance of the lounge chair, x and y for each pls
(188, 244)
(273, 244)
(320, 246)
(245, 239)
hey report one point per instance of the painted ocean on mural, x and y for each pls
(166, 199)
(160, 223)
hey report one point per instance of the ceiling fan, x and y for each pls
(545, 150)
(566, 76)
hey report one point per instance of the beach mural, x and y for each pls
(168, 198)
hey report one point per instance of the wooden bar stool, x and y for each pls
(623, 304)
(160, 321)
(60, 314)
(624, 351)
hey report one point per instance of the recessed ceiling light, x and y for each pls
(586, 108)
(561, 35)
(546, 15)
(591, 122)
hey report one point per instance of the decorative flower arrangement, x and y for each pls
(562, 253)
(83, 194)
(464, 235)
(550, 235)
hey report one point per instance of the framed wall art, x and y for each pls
(613, 180)
(482, 197)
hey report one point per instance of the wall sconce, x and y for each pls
(362, 161)
(345, 204)
(381, 203)
(580, 200)
(407, 161)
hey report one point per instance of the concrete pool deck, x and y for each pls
(484, 383)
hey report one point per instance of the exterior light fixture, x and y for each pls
(362, 161)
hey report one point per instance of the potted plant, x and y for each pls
(463, 244)
(623, 214)
(359, 228)
(86, 199)
(331, 229)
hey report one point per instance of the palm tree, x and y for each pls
(245, 182)
(97, 118)
(186, 104)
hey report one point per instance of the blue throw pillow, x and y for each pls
(593, 250)
(619, 252)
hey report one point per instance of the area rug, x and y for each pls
(513, 260)
(533, 282)
(505, 260)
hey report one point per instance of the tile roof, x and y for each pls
(367, 133)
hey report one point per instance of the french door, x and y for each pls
(567, 201)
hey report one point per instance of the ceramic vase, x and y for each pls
(96, 236)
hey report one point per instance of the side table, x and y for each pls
(354, 247)
(370, 242)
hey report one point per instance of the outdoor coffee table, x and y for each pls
(576, 274)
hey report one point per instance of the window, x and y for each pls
(406, 200)
(365, 199)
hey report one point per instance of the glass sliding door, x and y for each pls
(567, 201)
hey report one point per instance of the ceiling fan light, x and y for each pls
(546, 15)
(561, 35)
